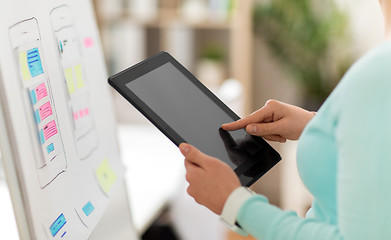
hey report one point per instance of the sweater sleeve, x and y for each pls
(362, 137)
(264, 221)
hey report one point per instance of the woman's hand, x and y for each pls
(276, 121)
(211, 180)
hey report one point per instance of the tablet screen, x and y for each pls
(197, 119)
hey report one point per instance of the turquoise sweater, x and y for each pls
(344, 159)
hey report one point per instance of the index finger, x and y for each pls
(256, 117)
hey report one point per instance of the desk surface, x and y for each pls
(155, 171)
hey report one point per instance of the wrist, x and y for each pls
(232, 207)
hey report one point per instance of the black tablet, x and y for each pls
(182, 108)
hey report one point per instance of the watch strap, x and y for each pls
(232, 206)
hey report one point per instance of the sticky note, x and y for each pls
(50, 148)
(75, 116)
(105, 176)
(79, 76)
(69, 80)
(33, 97)
(49, 130)
(88, 208)
(41, 91)
(41, 137)
(37, 117)
(45, 111)
(61, 48)
(24, 67)
(88, 42)
(34, 62)
(58, 224)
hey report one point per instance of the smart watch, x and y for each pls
(232, 206)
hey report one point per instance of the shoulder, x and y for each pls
(367, 81)
(371, 70)
(364, 92)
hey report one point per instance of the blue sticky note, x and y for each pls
(33, 97)
(37, 117)
(61, 47)
(41, 137)
(50, 148)
(58, 224)
(34, 62)
(88, 208)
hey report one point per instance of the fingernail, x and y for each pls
(253, 129)
(184, 148)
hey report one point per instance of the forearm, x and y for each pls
(264, 221)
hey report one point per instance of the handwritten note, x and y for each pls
(49, 130)
(34, 62)
(58, 224)
(41, 91)
(45, 111)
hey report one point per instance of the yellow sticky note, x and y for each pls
(70, 81)
(24, 67)
(79, 76)
(105, 175)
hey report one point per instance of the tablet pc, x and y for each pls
(181, 107)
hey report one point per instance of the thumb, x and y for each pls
(192, 154)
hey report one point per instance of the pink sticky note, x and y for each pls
(88, 42)
(45, 110)
(86, 111)
(81, 113)
(49, 130)
(75, 116)
(41, 91)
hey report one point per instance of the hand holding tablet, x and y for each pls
(183, 109)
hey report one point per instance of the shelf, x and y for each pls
(170, 18)
(169, 29)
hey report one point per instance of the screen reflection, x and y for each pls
(248, 153)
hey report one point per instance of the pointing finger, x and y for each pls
(258, 116)
(264, 129)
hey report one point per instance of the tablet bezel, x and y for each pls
(119, 81)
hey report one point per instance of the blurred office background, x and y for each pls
(246, 51)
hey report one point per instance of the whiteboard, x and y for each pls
(57, 123)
